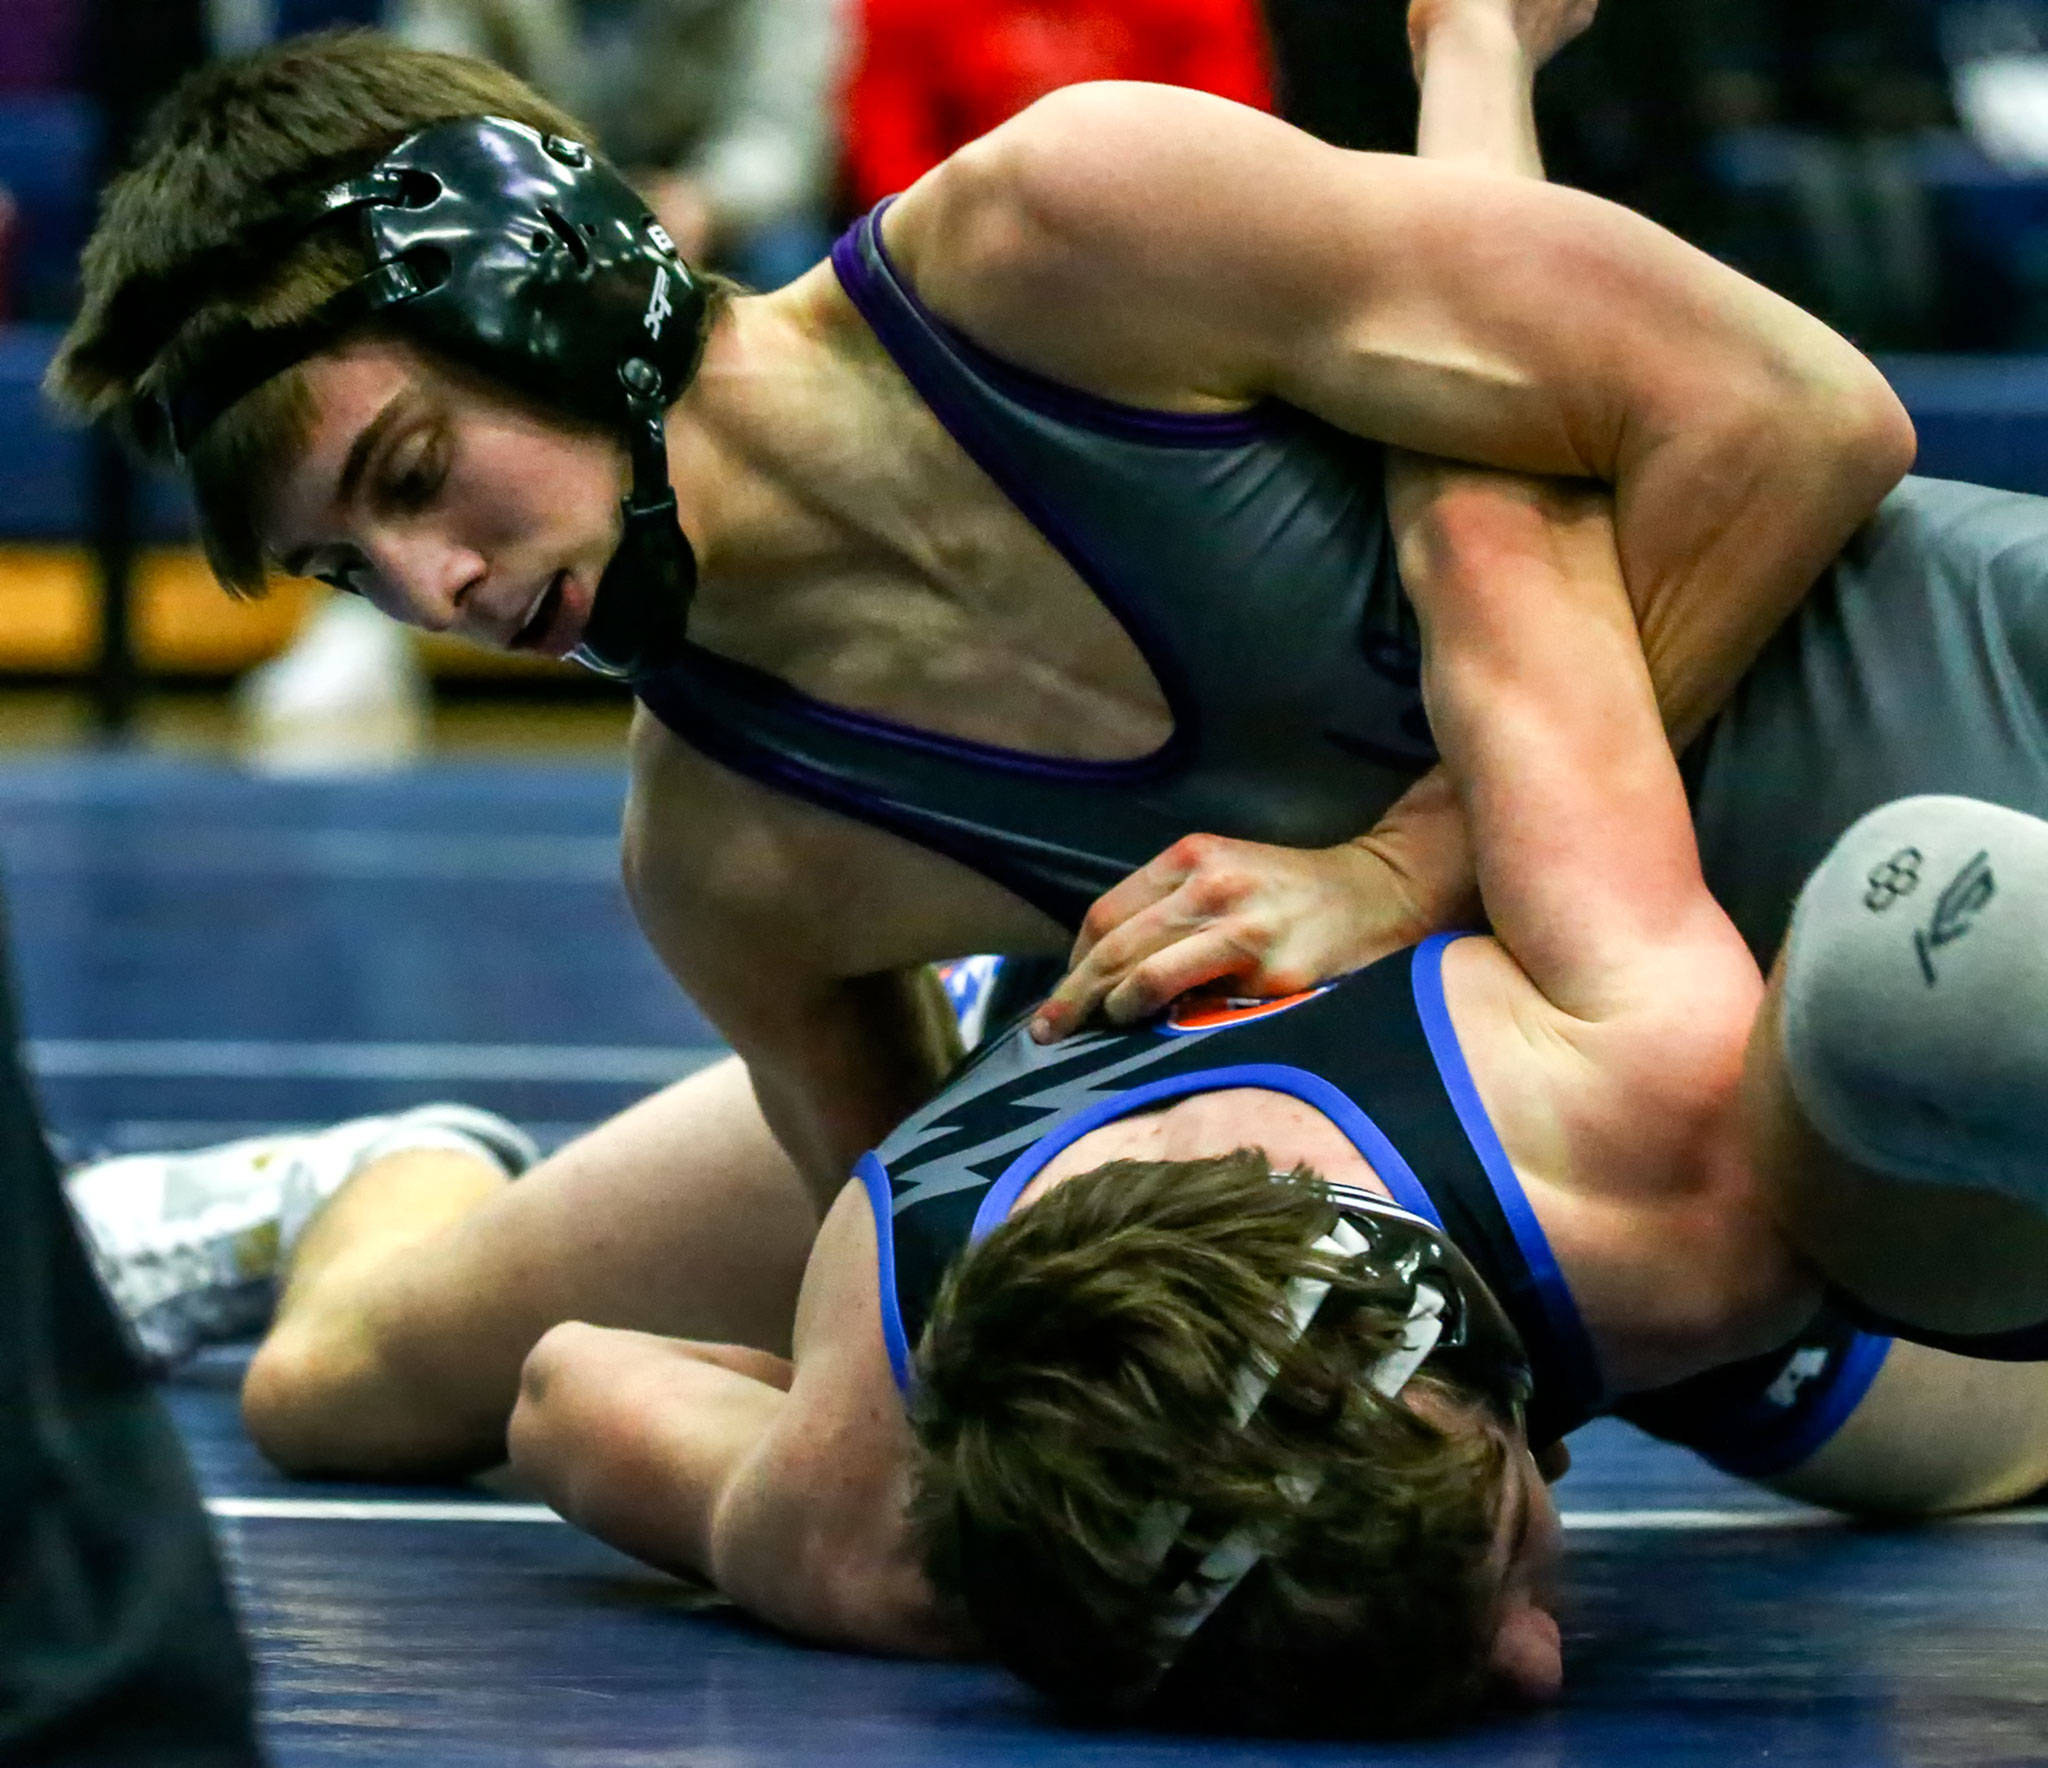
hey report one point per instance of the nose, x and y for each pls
(424, 580)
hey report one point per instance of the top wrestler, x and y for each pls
(1039, 529)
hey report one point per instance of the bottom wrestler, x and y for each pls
(1182, 1432)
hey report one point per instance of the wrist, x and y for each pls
(1424, 859)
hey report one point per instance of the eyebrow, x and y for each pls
(367, 441)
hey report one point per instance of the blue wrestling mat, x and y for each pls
(201, 954)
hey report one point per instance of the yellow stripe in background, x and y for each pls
(184, 623)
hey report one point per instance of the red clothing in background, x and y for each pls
(934, 74)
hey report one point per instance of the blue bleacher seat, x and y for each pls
(1980, 418)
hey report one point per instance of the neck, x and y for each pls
(741, 438)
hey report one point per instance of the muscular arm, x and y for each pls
(1195, 253)
(1542, 704)
(784, 1485)
(1681, 424)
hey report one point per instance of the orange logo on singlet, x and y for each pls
(1204, 1011)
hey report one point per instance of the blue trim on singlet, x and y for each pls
(1844, 1393)
(1363, 1134)
(1553, 1294)
(874, 1178)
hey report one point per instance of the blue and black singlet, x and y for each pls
(1374, 1052)
(1377, 1054)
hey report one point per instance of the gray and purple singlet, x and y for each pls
(1248, 557)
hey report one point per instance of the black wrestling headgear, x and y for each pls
(1406, 1257)
(524, 257)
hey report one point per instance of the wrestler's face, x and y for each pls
(450, 505)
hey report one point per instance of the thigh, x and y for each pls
(1934, 1433)
(681, 1216)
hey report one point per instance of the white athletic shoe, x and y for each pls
(189, 1244)
(350, 695)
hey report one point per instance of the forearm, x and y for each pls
(1477, 89)
(1722, 524)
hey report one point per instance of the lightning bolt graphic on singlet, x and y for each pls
(1000, 1106)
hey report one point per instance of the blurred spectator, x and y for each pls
(1341, 71)
(934, 74)
(1825, 110)
(1619, 110)
(721, 109)
(117, 1642)
(1841, 67)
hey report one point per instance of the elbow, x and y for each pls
(1844, 426)
(538, 1435)
(1877, 440)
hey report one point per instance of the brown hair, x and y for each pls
(1078, 1372)
(186, 247)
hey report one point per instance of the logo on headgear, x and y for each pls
(659, 307)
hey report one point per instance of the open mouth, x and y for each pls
(542, 619)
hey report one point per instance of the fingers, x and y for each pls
(1105, 963)
(1123, 926)
(1208, 956)
(1151, 883)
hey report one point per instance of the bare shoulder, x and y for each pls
(1062, 239)
(697, 832)
(1624, 1134)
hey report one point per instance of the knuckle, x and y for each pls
(1100, 920)
(1213, 893)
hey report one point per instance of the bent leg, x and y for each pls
(1935, 1434)
(1899, 1073)
(418, 1291)
(1868, 1425)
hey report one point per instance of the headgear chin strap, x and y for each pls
(1451, 1318)
(526, 258)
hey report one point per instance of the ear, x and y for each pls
(1528, 1651)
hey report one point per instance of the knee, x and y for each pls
(296, 1399)
(333, 1390)
(1916, 995)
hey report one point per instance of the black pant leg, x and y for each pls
(117, 1644)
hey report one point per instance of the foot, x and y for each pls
(189, 1244)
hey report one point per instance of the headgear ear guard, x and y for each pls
(524, 257)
